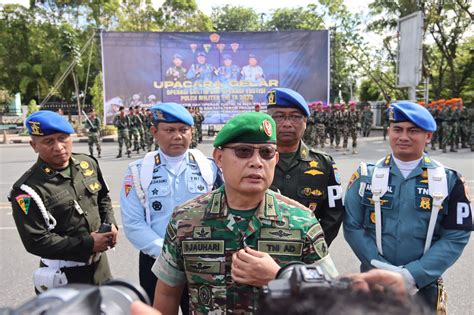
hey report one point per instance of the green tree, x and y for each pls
(235, 18)
(445, 23)
(287, 19)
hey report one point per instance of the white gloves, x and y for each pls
(409, 280)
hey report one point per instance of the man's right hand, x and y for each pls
(102, 241)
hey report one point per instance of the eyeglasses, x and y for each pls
(247, 151)
(279, 118)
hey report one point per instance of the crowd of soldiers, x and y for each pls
(133, 130)
(335, 122)
(455, 125)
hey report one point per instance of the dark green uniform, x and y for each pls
(135, 126)
(93, 134)
(312, 178)
(79, 202)
(198, 124)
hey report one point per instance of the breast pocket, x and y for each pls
(386, 205)
(196, 185)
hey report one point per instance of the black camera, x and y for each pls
(296, 277)
(114, 297)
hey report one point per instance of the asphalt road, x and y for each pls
(17, 266)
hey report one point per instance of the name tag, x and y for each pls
(281, 248)
(203, 247)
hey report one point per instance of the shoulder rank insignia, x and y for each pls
(47, 170)
(84, 165)
(23, 201)
(88, 172)
(157, 159)
(387, 160)
(95, 186)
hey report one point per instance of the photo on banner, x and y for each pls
(220, 73)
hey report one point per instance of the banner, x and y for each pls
(222, 74)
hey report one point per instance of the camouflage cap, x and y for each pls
(252, 127)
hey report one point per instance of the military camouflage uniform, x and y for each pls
(319, 128)
(464, 127)
(198, 124)
(435, 113)
(194, 139)
(340, 120)
(455, 123)
(147, 123)
(141, 130)
(135, 124)
(470, 112)
(93, 134)
(308, 135)
(122, 124)
(350, 129)
(446, 128)
(203, 234)
(366, 122)
(331, 127)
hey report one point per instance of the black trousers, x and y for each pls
(148, 281)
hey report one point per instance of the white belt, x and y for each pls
(58, 264)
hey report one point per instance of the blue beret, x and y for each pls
(414, 113)
(227, 56)
(282, 97)
(171, 113)
(201, 53)
(46, 122)
(177, 56)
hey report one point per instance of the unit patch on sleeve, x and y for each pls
(23, 201)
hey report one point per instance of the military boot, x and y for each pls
(453, 150)
(354, 151)
(98, 154)
(444, 150)
(129, 153)
(119, 155)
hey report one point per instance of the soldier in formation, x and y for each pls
(135, 126)
(366, 120)
(92, 125)
(350, 128)
(122, 123)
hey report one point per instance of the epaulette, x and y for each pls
(326, 156)
(24, 177)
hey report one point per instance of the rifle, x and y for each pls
(88, 120)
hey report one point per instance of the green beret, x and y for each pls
(252, 127)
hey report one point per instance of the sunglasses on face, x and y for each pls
(247, 151)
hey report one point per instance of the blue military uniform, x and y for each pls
(200, 72)
(152, 189)
(228, 73)
(406, 208)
